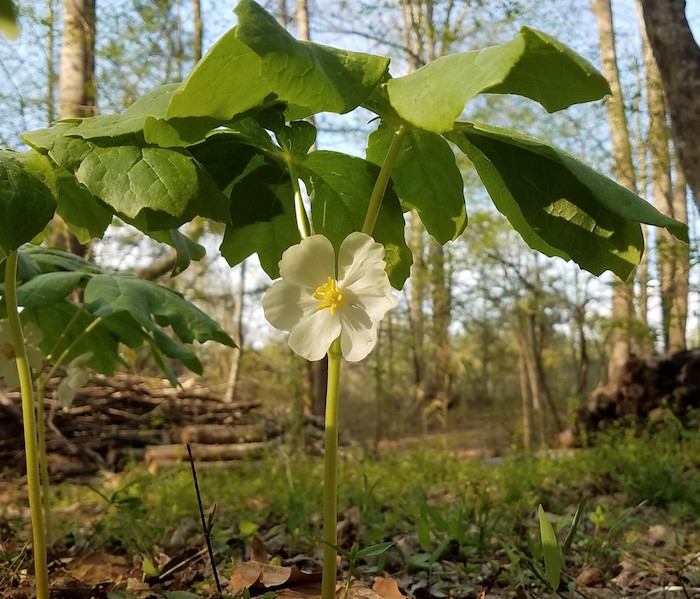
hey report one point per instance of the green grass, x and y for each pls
(439, 508)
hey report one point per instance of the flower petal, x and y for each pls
(8, 373)
(312, 337)
(357, 253)
(286, 304)
(309, 263)
(372, 293)
(358, 334)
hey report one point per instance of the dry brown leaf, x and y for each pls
(387, 587)
(357, 591)
(255, 574)
(258, 553)
(102, 566)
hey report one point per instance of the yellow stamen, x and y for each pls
(330, 296)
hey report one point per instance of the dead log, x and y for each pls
(222, 433)
(641, 389)
(207, 453)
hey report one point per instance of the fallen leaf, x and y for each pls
(254, 574)
(387, 587)
(102, 566)
(258, 553)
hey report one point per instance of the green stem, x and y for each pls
(330, 478)
(375, 200)
(41, 426)
(30, 436)
(43, 463)
(299, 210)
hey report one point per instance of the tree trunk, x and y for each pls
(237, 337)
(680, 282)
(662, 195)
(50, 67)
(527, 401)
(678, 59)
(441, 295)
(198, 30)
(77, 90)
(77, 95)
(622, 306)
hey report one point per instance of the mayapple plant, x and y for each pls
(230, 143)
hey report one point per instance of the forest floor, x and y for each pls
(462, 525)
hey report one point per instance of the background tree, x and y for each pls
(678, 58)
(622, 306)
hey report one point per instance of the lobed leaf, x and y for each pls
(151, 305)
(259, 61)
(559, 205)
(27, 197)
(532, 64)
(166, 187)
(8, 19)
(426, 178)
(266, 226)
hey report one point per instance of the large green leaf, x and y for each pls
(151, 306)
(100, 342)
(558, 204)
(266, 226)
(532, 64)
(426, 177)
(8, 19)
(165, 186)
(49, 288)
(143, 123)
(342, 186)
(84, 214)
(27, 197)
(258, 60)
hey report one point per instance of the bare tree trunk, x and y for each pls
(679, 306)
(658, 142)
(282, 16)
(198, 30)
(440, 384)
(527, 401)
(678, 59)
(77, 94)
(642, 179)
(237, 337)
(77, 90)
(622, 307)
(50, 67)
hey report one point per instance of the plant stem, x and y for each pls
(43, 464)
(41, 427)
(30, 438)
(330, 478)
(375, 200)
(299, 210)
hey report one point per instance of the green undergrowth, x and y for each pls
(435, 507)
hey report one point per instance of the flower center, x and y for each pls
(8, 351)
(330, 296)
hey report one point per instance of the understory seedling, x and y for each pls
(230, 144)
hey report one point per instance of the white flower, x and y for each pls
(316, 306)
(8, 364)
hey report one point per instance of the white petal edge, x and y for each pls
(372, 292)
(309, 263)
(358, 334)
(313, 335)
(357, 254)
(284, 305)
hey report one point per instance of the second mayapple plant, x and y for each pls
(230, 144)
